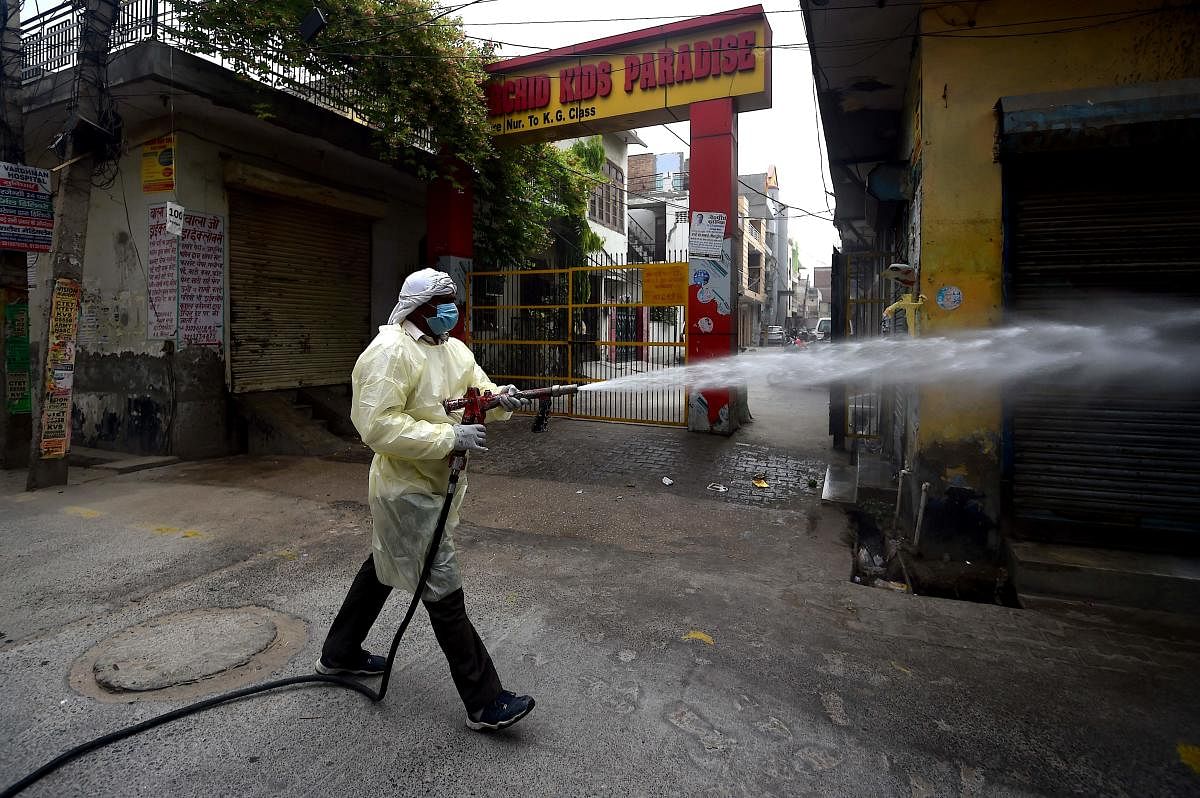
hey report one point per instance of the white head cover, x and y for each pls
(419, 288)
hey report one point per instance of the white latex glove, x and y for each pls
(510, 402)
(470, 438)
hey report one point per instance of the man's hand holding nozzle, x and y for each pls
(508, 399)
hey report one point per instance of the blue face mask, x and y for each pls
(444, 321)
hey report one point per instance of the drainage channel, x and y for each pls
(883, 561)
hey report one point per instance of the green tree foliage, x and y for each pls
(527, 192)
(409, 72)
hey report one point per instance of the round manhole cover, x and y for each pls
(174, 652)
(179, 649)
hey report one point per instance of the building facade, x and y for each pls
(659, 227)
(295, 240)
(1029, 174)
(761, 191)
(608, 206)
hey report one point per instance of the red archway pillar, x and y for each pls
(712, 295)
(450, 231)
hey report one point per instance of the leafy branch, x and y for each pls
(412, 76)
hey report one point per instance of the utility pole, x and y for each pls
(14, 428)
(52, 342)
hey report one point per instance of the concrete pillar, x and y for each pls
(450, 230)
(712, 294)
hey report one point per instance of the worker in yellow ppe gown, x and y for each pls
(399, 384)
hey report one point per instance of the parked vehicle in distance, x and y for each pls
(774, 335)
(824, 326)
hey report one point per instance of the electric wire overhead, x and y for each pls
(802, 213)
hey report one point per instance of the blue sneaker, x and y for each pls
(507, 709)
(366, 665)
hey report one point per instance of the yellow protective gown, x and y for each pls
(399, 384)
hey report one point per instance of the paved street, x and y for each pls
(679, 641)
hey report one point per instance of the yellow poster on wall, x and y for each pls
(665, 285)
(158, 165)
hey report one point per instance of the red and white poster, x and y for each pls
(202, 280)
(187, 278)
(26, 215)
(163, 276)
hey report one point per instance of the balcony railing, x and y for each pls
(50, 43)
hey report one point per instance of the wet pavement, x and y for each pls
(785, 445)
(679, 641)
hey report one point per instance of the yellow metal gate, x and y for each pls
(585, 324)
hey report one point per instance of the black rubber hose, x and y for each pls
(224, 698)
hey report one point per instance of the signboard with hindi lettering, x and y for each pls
(187, 278)
(202, 280)
(665, 285)
(706, 236)
(163, 276)
(26, 212)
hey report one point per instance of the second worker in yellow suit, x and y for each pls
(399, 384)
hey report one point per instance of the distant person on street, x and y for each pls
(399, 384)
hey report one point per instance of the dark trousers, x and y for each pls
(470, 664)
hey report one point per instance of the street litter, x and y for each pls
(761, 483)
(579, 491)
(668, 481)
(887, 584)
(717, 487)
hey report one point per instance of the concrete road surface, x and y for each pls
(679, 641)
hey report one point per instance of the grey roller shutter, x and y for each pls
(1108, 464)
(299, 290)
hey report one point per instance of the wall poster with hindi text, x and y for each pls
(60, 369)
(163, 290)
(202, 280)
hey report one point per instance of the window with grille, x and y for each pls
(607, 203)
(681, 217)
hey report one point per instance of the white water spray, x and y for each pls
(1147, 348)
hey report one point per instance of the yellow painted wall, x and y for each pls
(960, 80)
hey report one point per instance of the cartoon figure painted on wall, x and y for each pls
(710, 284)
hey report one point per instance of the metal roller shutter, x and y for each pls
(299, 290)
(1113, 465)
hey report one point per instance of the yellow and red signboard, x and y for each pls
(635, 80)
(158, 165)
(665, 285)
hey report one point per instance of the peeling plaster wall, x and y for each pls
(143, 396)
(959, 194)
(134, 394)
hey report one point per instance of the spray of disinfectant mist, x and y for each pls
(1147, 347)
